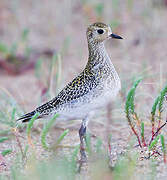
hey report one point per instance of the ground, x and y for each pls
(61, 27)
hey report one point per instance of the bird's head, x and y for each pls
(99, 32)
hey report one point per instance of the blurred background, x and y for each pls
(43, 46)
(31, 33)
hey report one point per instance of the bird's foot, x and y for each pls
(83, 155)
(83, 158)
(82, 161)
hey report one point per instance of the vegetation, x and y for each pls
(133, 120)
(131, 144)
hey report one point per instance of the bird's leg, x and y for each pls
(82, 135)
(108, 138)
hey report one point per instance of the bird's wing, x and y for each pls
(80, 86)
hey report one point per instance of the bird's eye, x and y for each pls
(100, 31)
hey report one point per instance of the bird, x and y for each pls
(95, 87)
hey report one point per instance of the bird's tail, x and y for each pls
(27, 117)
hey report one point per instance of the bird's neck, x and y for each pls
(98, 55)
(99, 60)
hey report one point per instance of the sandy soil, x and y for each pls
(142, 52)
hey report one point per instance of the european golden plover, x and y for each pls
(93, 88)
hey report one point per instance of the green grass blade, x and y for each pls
(161, 99)
(3, 139)
(88, 143)
(154, 107)
(98, 145)
(13, 114)
(129, 105)
(46, 130)
(163, 148)
(25, 150)
(154, 142)
(75, 153)
(3, 48)
(38, 66)
(62, 136)
(73, 162)
(162, 143)
(5, 152)
(30, 124)
(142, 129)
(129, 108)
(5, 132)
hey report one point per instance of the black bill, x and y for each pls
(115, 36)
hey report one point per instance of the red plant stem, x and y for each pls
(156, 133)
(152, 130)
(159, 123)
(155, 152)
(109, 147)
(136, 136)
(164, 157)
(143, 141)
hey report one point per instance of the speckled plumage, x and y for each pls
(94, 87)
